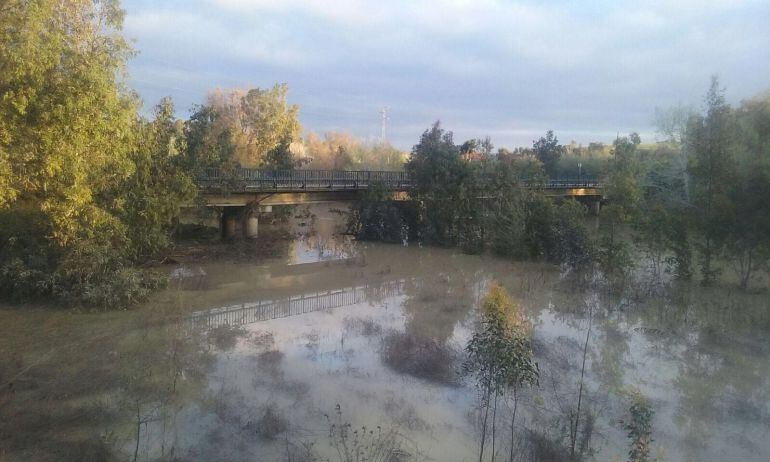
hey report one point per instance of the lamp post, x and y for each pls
(580, 171)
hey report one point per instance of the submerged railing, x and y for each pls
(264, 310)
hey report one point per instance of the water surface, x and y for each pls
(269, 359)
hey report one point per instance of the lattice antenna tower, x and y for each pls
(384, 118)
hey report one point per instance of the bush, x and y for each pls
(271, 424)
(421, 357)
(91, 271)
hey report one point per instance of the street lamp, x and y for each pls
(580, 171)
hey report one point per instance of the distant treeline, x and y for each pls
(695, 202)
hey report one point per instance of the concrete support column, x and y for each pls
(228, 231)
(252, 227)
(596, 207)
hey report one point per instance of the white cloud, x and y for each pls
(599, 67)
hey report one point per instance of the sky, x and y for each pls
(510, 70)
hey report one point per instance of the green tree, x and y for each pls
(639, 427)
(548, 151)
(623, 191)
(159, 184)
(91, 187)
(499, 357)
(442, 189)
(748, 223)
(709, 144)
(66, 120)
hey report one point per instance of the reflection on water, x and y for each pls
(251, 362)
(263, 310)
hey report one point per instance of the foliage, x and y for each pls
(66, 123)
(68, 131)
(499, 354)
(748, 220)
(443, 190)
(341, 151)
(704, 189)
(151, 196)
(639, 427)
(548, 151)
(573, 246)
(359, 444)
(260, 125)
(378, 217)
(506, 215)
(711, 168)
(476, 205)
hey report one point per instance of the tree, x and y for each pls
(500, 357)
(639, 427)
(623, 191)
(672, 124)
(260, 124)
(90, 186)
(548, 151)
(748, 223)
(441, 186)
(709, 144)
(332, 152)
(66, 121)
(159, 184)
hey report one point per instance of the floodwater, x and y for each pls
(341, 348)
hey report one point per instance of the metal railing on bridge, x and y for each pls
(311, 180)
(255, 180)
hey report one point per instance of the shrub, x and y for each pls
(421, 357)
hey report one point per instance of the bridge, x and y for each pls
(236, 190)
(289, 187)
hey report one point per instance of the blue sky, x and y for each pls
(507, 69)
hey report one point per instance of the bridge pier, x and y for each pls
(228, 223)
(241, 221)
(252, 227)
(596, 207)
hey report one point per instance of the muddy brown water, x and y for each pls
(278, 359)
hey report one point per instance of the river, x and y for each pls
(338, 346)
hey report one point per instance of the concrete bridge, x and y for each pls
(244, 191)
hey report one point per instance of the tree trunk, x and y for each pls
(513, 420)
(494, 420)
(485, 404)
(580, 389)
(138, 431)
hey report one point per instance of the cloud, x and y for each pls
(583, 68)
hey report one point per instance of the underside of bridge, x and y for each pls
(237, 213)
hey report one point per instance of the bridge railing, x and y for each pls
(275, 180)
(572, 183)
(248, 180)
